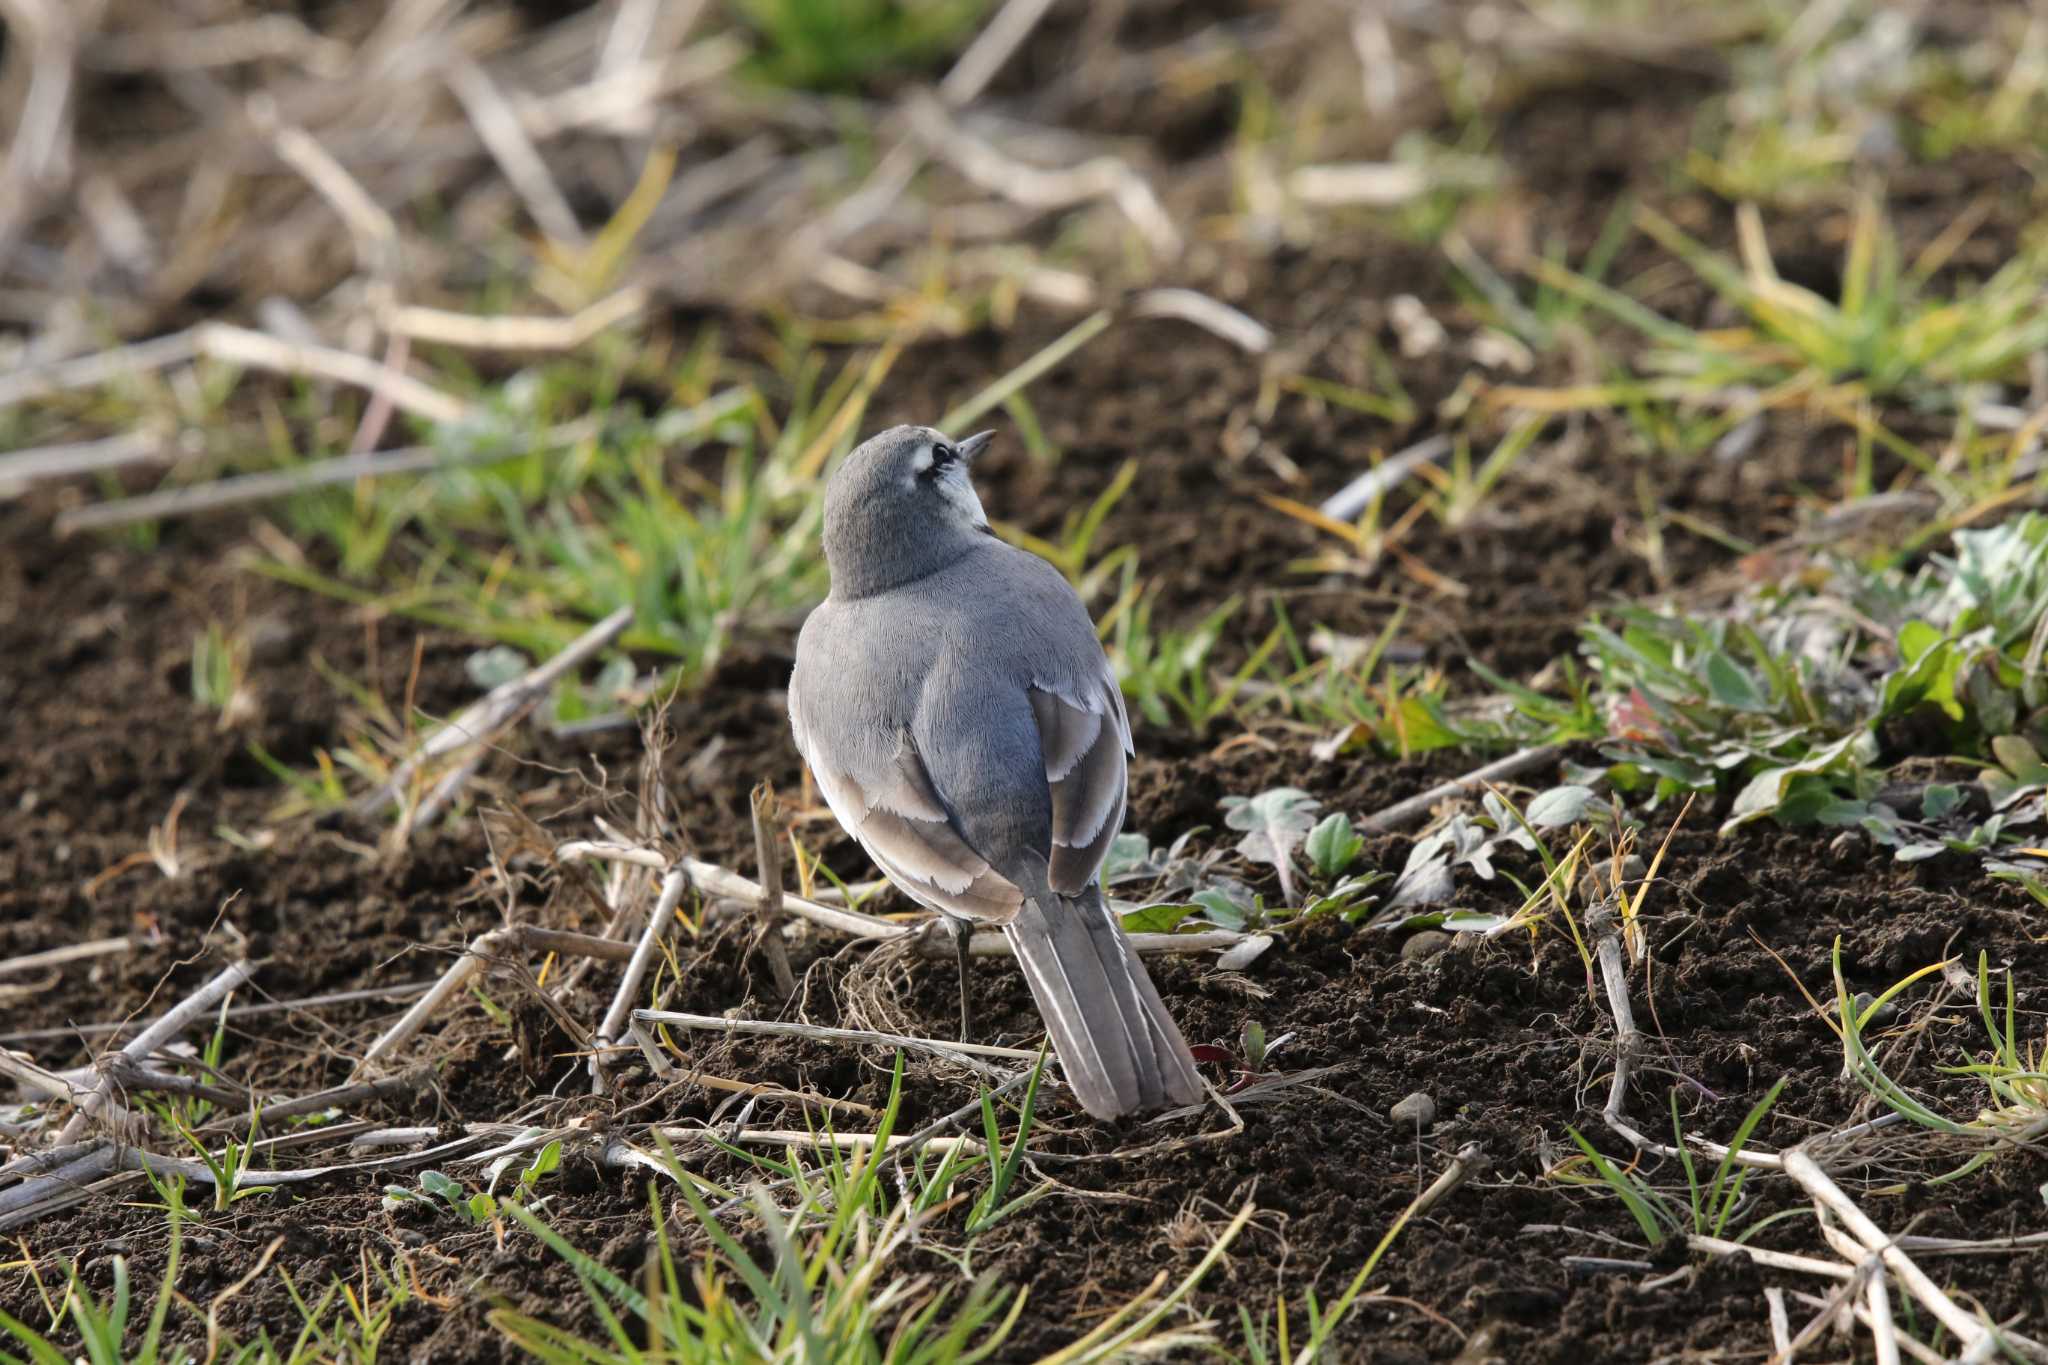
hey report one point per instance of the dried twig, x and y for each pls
(964, 1054)
(74, 952)
(1104, 177)
(498, 708)
(1418, 807)
(1389, 474)
(1965, 1326)
(95, 1102)
(608, 1032)
(1211, 315)
(479, 954)
(768, 859)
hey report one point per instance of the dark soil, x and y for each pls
(103, 742)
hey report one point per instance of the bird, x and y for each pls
(962, 722)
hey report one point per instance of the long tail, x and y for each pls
(1121, 1050)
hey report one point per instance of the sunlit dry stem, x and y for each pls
(658, 920)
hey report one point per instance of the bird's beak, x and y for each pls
(974, 445)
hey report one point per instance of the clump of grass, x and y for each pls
(220, 674)
(1888, 335)
(105, 1330)
(1696, 1210)
(828, 1283)
(841, 45)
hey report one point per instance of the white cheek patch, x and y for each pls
(921, 463)
(956, 490)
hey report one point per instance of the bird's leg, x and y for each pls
(963, 931)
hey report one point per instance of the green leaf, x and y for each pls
(1127, 853)
(2019, 758)
(493, 667)
(1156, 919)
(1915, 639)
(1939, 799)
(1219, 909)
(1333, 845)
(1561, 806)
(1731, 686)
(443, 1186)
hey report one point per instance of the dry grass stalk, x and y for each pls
(1384, 477)
(95, 1102)
(73, 952)
(964, 1054)
(545, 334)
(658, 921)
(1103, 177)
(1211, 315)
(1965, 1326)
(1403, 813)
(24, 467)
(475, 958)
(502, 133)
(499, 708)
(240, 346)
(768, 858)
(397, 991)
(238, 489)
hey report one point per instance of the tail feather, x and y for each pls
(1120, 1049)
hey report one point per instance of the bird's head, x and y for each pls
(900, 506)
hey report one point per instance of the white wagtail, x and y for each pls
(962, 722)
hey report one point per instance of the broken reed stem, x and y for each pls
(672, 888)
(474, 959)
(95, 1102)
(1781, 1322)
(845, 1142)
(1415, 808)
(1211, 315)
(258, 350)
(395, 992)
(276, 483)
(73, 952)
(964, 1054)
(1965, 1326)
(718, 882)
(498, 708)
(768, 859)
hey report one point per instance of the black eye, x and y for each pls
(942, 455)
